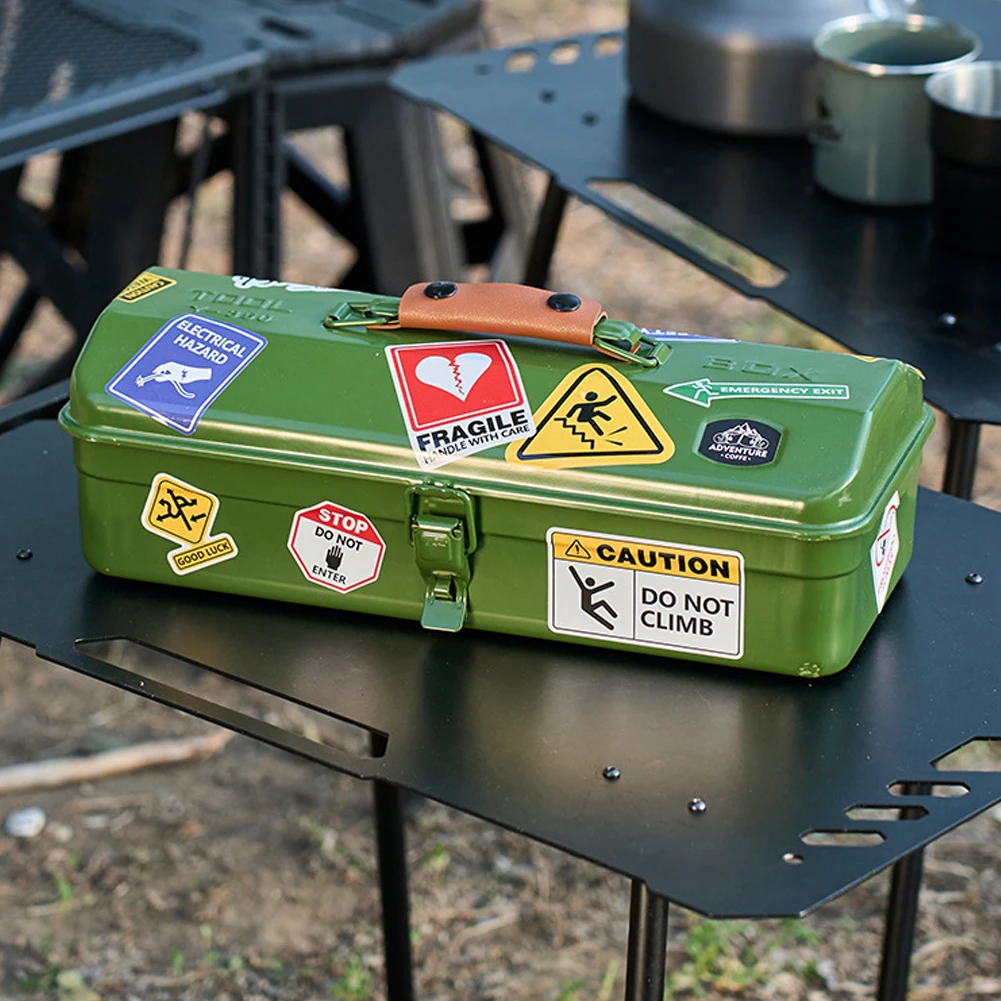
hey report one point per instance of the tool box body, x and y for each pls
(768, 538)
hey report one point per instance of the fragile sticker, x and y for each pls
(883, 553)
(144, 284)
(336, 547)
(736, 442)
(459, 398)
(647, 593)
(183, 513)
(183, 367)
(594, 417)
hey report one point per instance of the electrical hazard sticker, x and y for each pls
(645, 593)
(177, 511)
(336, 547)
(883, 553)
(594, 417)
(183, 367)
(144, 284)
(459, 398)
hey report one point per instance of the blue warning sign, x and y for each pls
(183, 367)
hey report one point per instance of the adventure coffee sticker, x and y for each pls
(177, 511)
(183, 367)
(646, 593)
(459, 398)
(737, 442)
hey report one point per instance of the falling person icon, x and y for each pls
(590, 411)
(588, 589)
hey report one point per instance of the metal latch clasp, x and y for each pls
(443, 534)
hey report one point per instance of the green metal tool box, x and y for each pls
(497, 457)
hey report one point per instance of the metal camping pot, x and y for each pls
(740, 66)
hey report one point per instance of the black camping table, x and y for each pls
(706, 786)
(871, 279)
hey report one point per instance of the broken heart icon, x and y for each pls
(457, 376)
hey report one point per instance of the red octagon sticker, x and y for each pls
(336, 547)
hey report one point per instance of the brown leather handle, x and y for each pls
(500, 308)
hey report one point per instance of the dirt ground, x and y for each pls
(252, 874)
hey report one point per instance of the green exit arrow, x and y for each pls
(704, 391)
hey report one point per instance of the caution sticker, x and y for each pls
(182, 513)
(144, 284)
(883, 553)
(459, 398)
(594, 417)
(336, 547)
(647, 593)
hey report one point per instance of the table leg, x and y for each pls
(961, 459)
(547, 228)
(905, 886)
(258, 126)
(393, 889)
(647, 955)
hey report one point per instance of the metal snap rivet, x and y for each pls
(563, 302)
(24, 554)
(611, 773)
(974, 578)
(440, 290)
(697, 805)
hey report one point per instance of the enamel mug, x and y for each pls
(871, 142)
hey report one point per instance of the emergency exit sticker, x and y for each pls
(459, 398)
(336, 547)
(646, 593)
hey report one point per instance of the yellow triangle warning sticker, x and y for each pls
(594, 417)
(577, 551)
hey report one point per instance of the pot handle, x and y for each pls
(503, 309)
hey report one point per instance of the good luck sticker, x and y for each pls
(182, 513)
(459, 398)
(183, 367)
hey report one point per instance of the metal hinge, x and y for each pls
(443, 534)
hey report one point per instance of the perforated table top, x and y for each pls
(520, 732)
(872, 279)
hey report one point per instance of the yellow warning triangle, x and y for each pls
(577, 551)
(594, 417)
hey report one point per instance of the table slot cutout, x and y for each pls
(565, 53)
(315, 725)
(842, 839)
(878, 814)
(707, 242)
(286, 29)
(607, 45)
(521, 61)
(981, 754)
(939, 790)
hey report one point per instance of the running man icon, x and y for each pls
(588, 589)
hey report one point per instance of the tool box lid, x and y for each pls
(755, 436)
